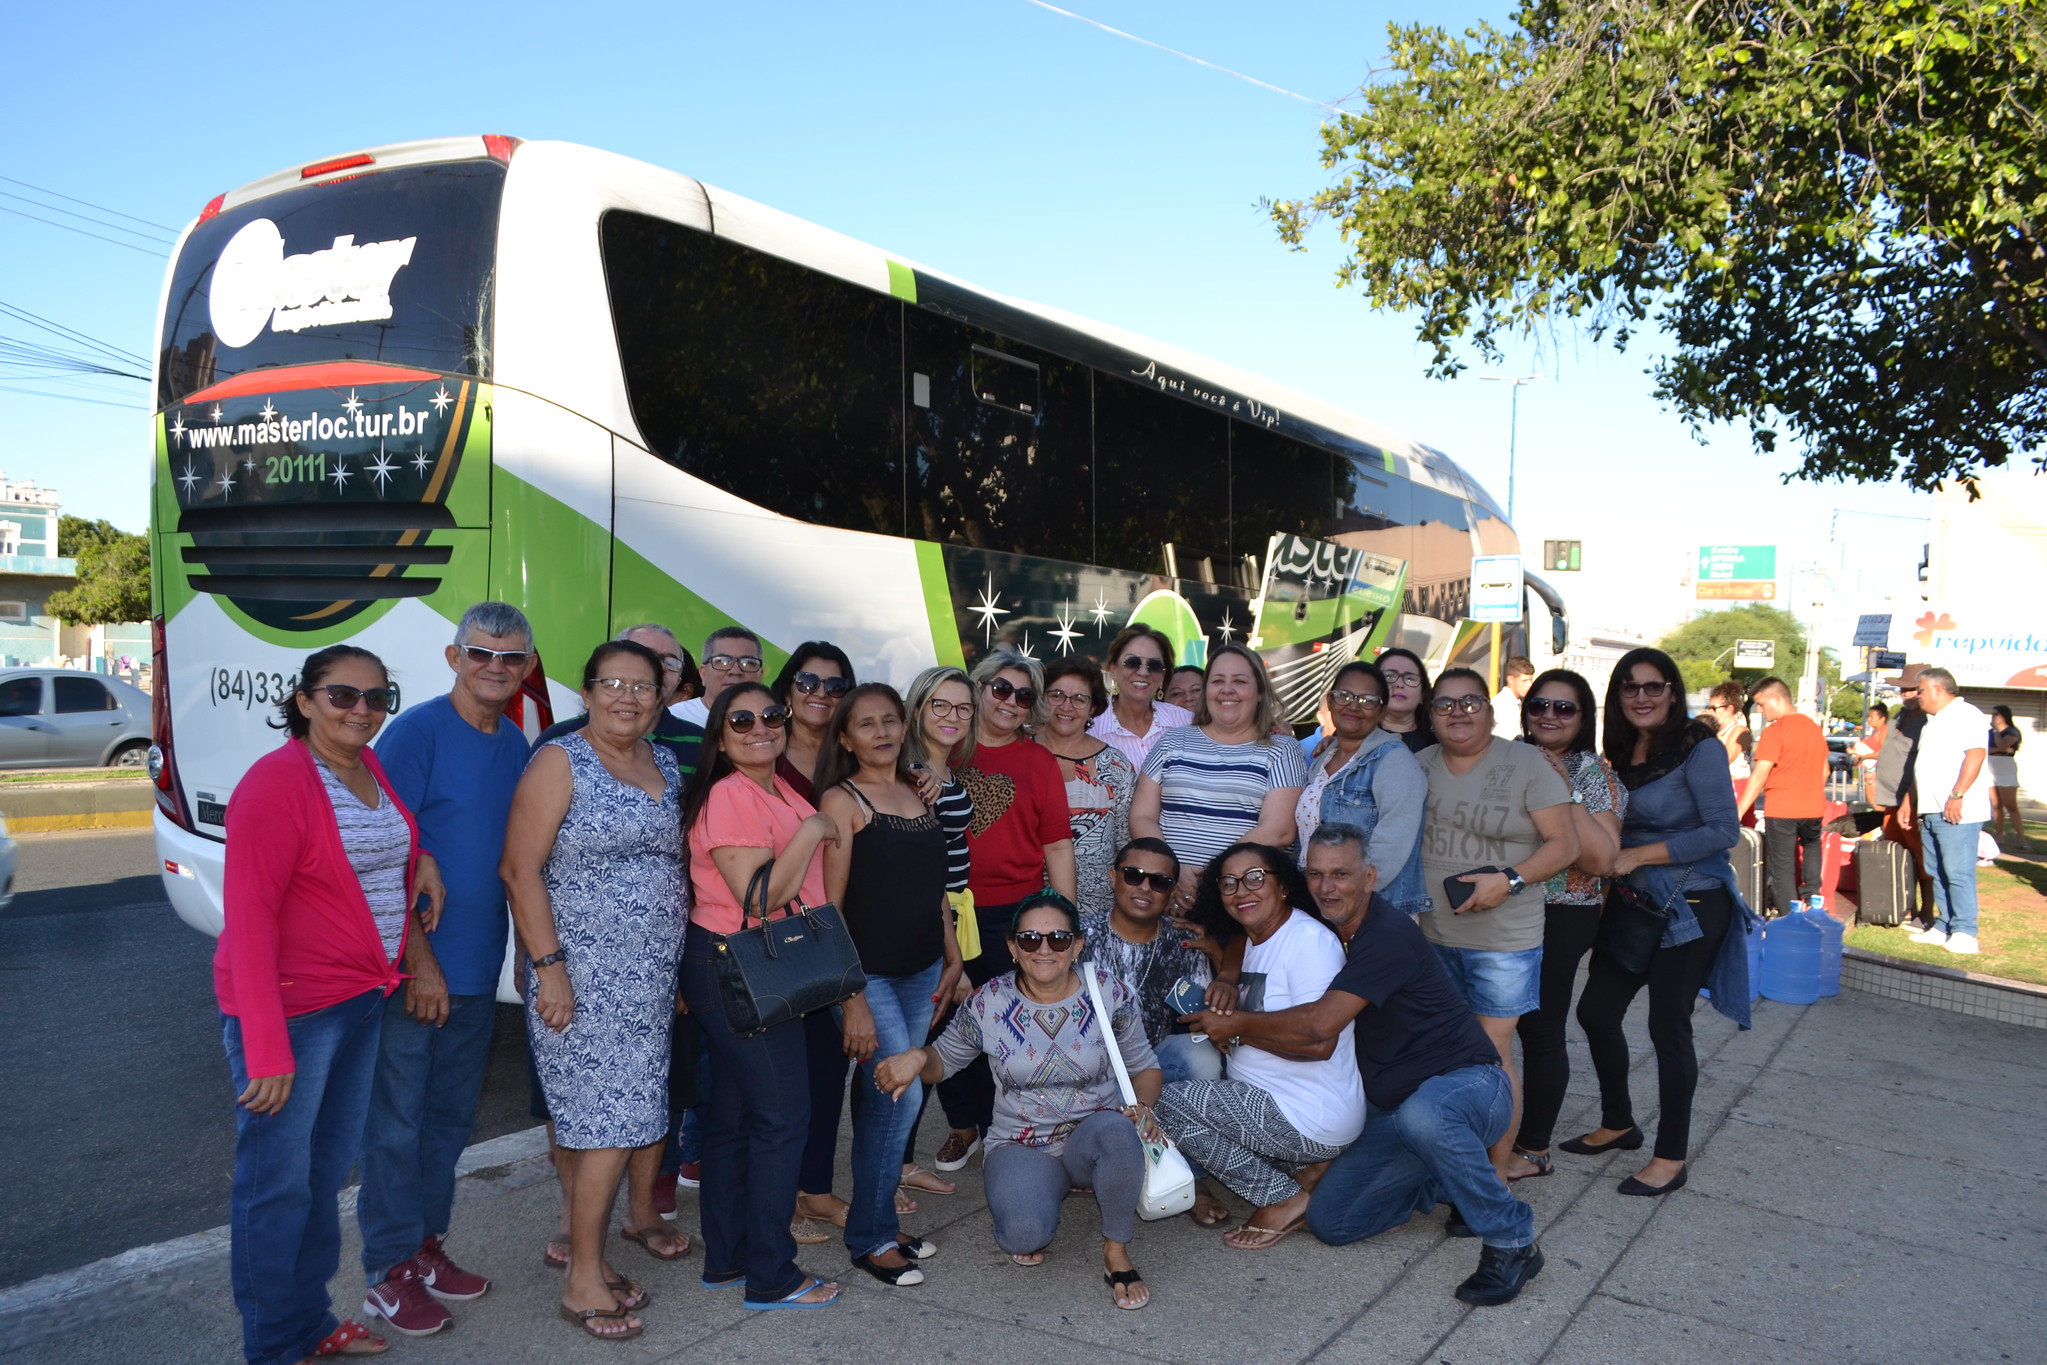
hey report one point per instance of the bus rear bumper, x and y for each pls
(194, 869)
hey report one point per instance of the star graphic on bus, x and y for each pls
(353, 405)
(1066, 634)
(988, 608)
(1100, 610)
(441, 399)
(420, 462)
(1228, 627)
(1025, 648)
(227, 483)
(269, 409)
(216, 412)
(381, 469)
(189, 478)
(340, 476)
(178, 427)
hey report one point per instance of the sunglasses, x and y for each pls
(807, 683)
(1003, 689)
(774, 717)
(1160, 882)
(1250, 881)
(342, 697)
(1138, 664)
(749, 663)
(1368, 700)
(1652, 690)
(513, 658)
(620, 687)
(1545, 706)
(1469, 706)
(1030, 939)
(950, 710)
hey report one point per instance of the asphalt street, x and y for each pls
(117, 1128)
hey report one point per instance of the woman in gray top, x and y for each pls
(1059, 1119)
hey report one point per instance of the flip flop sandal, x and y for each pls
(1271, 1237)
(1119, 1279)
(905, 1206)
(1024, 1259)
(915, 1174)
(631, 1297)
(809, 1232)
(734, 1283)
(646, 1237)
(1541, 1163)
(338, 1342)
(547, 1257)
(586, 1317)
(789, 1300)
(1213, 1214)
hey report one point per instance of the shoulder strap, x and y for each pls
(1094, 994)
(860, 796)
(757, 893)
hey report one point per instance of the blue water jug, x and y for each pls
(1792, 950)
(1830, 946)
(1755, 961)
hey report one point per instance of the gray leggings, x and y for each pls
(1237, 1131)
(1026, 1184)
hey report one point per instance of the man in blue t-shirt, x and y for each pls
(1436, 1097)
(455, 762)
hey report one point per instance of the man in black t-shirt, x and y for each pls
(1436, 1095)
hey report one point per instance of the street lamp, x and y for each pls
(1513, 422)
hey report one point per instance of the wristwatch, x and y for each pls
(558, 955)
(1515, 885)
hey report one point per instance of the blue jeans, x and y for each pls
(1951, 862)
(283, 1213)
(754, 1126)
(422, 1110)
(1184, 1057)
(902, 1007)
(1434, 1146)
(1497, 985)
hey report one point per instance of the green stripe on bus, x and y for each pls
(945, 634)
(902, 282)
(642, 591)
(1387, 455)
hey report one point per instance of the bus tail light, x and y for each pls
(339, 163)
(498, 147)
(163, 765)
(212, 207)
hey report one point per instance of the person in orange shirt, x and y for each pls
(1790, 777)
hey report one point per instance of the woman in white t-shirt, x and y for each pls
(1269, 1129)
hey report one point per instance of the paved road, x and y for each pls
(117, 1130)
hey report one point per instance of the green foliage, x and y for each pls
(113, 579)
(1704, 646)
(75, 533)
(1848, 704)
(1832, 208)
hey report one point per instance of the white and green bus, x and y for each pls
(394, 383)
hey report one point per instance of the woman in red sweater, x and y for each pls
(323, 862)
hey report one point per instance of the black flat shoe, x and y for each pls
(1501, 1274)
(1634, 1186)
(895, 1277)
(1626, 1142)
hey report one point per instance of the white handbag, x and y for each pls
(1168, 1179)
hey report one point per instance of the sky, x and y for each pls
(1023, 150)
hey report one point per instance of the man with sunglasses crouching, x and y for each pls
(1436, 1096)
(454, 762)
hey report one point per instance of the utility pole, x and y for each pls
(1513, 426)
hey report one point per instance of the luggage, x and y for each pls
(1747, 856)
(1886, 882)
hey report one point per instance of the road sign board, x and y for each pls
(1884, 658)
(1755, 653)
(1496, 588)
(1874, 631)
(1562, 556)
(1737, 572)
(1737, 590)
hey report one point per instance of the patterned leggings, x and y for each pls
(1237, 1131)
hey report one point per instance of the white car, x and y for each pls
(6, 866)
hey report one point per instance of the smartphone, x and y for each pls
(1456, 891)
(1186, 998)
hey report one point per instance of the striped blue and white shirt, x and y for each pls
(1210, 793)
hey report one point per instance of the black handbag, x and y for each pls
(782, 969)
(1632, 927)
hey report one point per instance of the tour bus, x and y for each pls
(397, 382)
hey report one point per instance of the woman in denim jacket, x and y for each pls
(1364, 776)
(1679, 825)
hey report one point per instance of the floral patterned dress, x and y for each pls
(1098, 806)
(620, 908)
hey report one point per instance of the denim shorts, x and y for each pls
(1498, 985)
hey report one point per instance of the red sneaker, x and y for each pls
(403, 1301)
(664, 1194)
(690, 1175)
(444, 1278)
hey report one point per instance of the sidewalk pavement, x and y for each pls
(1867, 1185)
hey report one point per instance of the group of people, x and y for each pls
(1311, 961)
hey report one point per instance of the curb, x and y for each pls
(1945, 988)
(113, 804)
(68, 1300)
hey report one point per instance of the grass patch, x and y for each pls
(74, 775)
(2011, 927)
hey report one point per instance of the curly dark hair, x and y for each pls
(1222, 926)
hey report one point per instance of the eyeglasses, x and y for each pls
(951, 710)
(1138, 664)
(734, 663)
(342, 697)
(1402, 679)
(807, 683)
(1651, 690)
(1368, 700)
(774, 717)
(513, 658)
(1004, 689)
(1250, 881)
(1467, 706)
(1063, 698)
(639, 691)
(1160, 882)
(672, 662)
(1030, 939)
(1544, 706)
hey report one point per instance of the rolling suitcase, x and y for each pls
(1747, 856)
(1886, 882)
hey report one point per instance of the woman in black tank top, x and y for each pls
(888, 878)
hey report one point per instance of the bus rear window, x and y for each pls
(394, 266)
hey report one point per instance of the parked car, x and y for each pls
(62, 718)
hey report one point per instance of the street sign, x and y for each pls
(1737, 572)
(1562, 556)
(1873, 631)
(1884, 658)
(1496, 588)
(1755, 653)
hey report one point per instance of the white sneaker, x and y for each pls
(1935, 934)
(1962, 943)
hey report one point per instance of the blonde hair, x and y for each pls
(922, 688)
(1267, 715)
(996, 661)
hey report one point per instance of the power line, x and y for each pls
(160, 255)
(85, 218)
(89, 204)
(72, 333)
(74, 398)
(1186, 56)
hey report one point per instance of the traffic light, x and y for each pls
(1562, 556)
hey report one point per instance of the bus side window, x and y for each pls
(1278, 485)
(1162, 476)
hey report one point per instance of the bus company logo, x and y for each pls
(255, 283)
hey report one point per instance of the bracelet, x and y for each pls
(558, 955)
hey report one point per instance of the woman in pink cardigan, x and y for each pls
(323, 862)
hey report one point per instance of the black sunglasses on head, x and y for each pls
(1004, 689)
(1160, 882)
(807, 683)
(342, 697)
(774, 717)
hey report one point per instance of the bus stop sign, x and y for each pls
(1496, 588)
